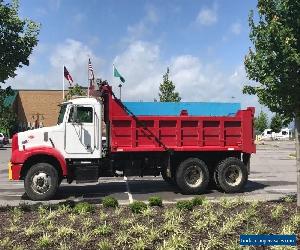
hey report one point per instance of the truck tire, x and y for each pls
(231, 175)
(192, 176)
(41, 182)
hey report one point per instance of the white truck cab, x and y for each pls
(77, 133)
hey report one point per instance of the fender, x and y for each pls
(19, 157)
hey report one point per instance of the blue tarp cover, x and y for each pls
(175, 108)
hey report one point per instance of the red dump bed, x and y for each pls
(130, 133)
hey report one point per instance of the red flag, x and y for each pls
(67, 75)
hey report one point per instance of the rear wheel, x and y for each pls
(231, 175)
(41, 182)
(192, 176)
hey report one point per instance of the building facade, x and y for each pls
(36, 108)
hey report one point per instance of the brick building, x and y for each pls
(35, 108)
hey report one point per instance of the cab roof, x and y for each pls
(83, 100)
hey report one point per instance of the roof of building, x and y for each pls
(9, 100)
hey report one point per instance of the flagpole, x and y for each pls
(63, 83)
(88, 80)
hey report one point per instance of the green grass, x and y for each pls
(103, 230)
(87, 222)
(277, 211)
(176, 241)
(16, 214)
(138, 229)
(6, 242)
(125, 222)
(105, 245)
(84, 237)
(139, 244)
(123, 238)
(31, 230)
(44, 241)
(64, 232)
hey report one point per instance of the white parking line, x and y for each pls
(14, 195)
(257, 179)
(282, 189)
(128, 190)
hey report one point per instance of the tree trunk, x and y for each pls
(297, 138)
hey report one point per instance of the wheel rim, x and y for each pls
(193, 176)
(233, 175)
(40, 182)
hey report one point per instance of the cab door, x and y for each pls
(80, 131)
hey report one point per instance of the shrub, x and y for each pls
(137, 206)
(184, 205)
(25, 207)
(198, 201)
(155, 201)
(83, 208)
(110, 202)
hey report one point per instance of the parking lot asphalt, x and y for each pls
(273, 175)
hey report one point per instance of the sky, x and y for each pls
(202, 42)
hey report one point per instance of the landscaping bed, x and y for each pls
(197, 224)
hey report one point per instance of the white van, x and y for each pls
(284, 134)
(268, 134)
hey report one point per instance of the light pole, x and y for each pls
(120, 86)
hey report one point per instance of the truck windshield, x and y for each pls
(61, 113)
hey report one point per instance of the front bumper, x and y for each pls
(14, 171)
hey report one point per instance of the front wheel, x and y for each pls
(41, 182)
(192, 176)
(231, 175)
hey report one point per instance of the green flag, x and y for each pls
(117, 74)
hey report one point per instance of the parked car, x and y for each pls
(4, 139)
(1, 142)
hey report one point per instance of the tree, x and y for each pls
(18, 37)
(276, 123)
(7, 117)
(274, 62)
(261, 122)
(75, 91)
(167, 90)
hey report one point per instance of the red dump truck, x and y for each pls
(187, 149)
